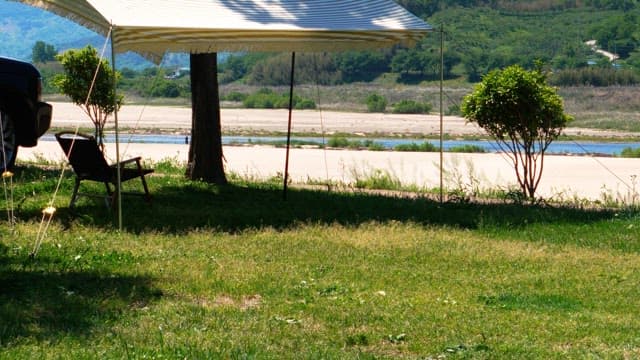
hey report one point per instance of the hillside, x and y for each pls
(22, 25)
(481, 35)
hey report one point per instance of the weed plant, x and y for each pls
(344, 143)
(630, 152)
(411, 107)
(467, 148)
(422, 147)
(237, 272)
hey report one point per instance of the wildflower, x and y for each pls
(7, 174)
(49, 210)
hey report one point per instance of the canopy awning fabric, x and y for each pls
(153, 27)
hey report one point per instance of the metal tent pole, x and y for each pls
(286, 163)
(115, 119)
(441, 113)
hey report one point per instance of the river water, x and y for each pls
(557, 147)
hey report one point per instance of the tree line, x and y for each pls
(479, 36)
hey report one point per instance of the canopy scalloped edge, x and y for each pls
(152, 39)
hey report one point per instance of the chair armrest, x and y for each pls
(142, 171)
(128, 161)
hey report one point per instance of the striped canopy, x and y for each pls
(153, 27)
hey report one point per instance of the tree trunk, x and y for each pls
(205, 151)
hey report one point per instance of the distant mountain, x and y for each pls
(22, 25)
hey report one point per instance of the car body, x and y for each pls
(24, 116)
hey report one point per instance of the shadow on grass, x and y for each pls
(38, 302)
(180, 205)
(235, 208)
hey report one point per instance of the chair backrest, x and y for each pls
(84, 155)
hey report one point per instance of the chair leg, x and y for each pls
(110, 199)
(74, 195)
(147, 196)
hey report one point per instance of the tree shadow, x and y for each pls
(235, 208)
(40, 299)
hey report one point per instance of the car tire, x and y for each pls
(8, 147)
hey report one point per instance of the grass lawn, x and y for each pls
(236, 272)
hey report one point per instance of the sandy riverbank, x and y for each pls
(170, 119)
(567, 177)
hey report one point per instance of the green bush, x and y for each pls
(165, 88)
(379, 179)
(305, 104)
(268, 99)
(373, 146)
(343, 142)
(453, 109)
(338, 142)
(376, 103)
(261, 99)
(424, 147)
(467, 149)
(411, 107)
(629, 152)
(594, 76)
(235, 96)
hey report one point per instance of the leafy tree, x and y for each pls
(362, 65)
(99, 100)
(310, 69)
(618, 34)
(239, 65)
(43, 52)
(523, 114)
(272, 71)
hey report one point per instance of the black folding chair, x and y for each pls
(88, 163)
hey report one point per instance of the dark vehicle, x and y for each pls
(24, 117)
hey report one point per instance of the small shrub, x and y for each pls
(453, 110)
(268, 99)
(165, 88)
(411, 107)
(338, 142)
(629, 152)
(424, 147)
(379, 179)
(376, 103)
(373, 146)
(262, 99)
(235, 96)
(303, 104)
(343, 142)
(468, 148)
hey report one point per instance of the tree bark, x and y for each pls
(205, 150)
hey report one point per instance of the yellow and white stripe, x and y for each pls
(153, 27)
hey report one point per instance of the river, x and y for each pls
(557, 147)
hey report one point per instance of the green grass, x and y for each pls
(467, 148)
(343, 142)
(423, 147)
(630, 152)
(237, 272)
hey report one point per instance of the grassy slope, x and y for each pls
(235, 272)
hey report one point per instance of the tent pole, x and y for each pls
(441, 113)
(115, 119)
(286, 163)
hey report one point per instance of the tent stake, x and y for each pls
(286, 163)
